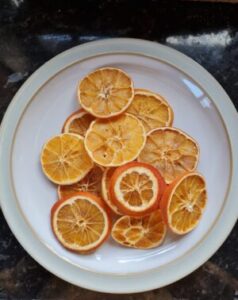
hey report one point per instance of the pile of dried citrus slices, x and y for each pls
(121, 168)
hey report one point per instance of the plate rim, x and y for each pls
(110, 46)
(121, 273)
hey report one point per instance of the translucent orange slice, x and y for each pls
(64, 159)
(141, 233)
(116, 141)
(183, 203)
(171, 151)
(90, 183)
(136, 189)
(106, 92)
(151, 109)
(80, 223)
(105, 190)
(78, 123)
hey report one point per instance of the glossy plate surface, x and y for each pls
(201, 109)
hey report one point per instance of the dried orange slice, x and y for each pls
(80, 223)
(136, 189)
(105, 190)
(90, 183)
(162, 99)
(141, 233)
(151, 109)
(183, 202)
(64, 159)
(78, 123)
(106, 92)
(171, 151)
(115, 141)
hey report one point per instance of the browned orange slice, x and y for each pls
(151, 109)
(78, 123)
(171, 151)
(90, 183)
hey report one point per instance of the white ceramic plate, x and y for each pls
(38, 111)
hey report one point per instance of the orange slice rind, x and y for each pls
(107, 174)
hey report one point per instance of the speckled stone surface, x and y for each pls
(31, 32)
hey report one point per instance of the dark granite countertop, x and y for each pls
(31, 32)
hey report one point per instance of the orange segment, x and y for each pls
(105, 190)
(136, 189)
(151, 109)
(80, 222)
(90, 183)
(106, 92)
(78, 123)
(183, 203)
(141, 233)
(171, 151)
(115, 141)
(64, 159)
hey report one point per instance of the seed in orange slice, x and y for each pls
(78, 123)
(64, 159)
(106, 92)
(136, 189)
(171, 151)
(183, 202)
(141, 233)
(151, 109)
(90, 183)
(80, 223)
(107, 174)
(115, 141)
